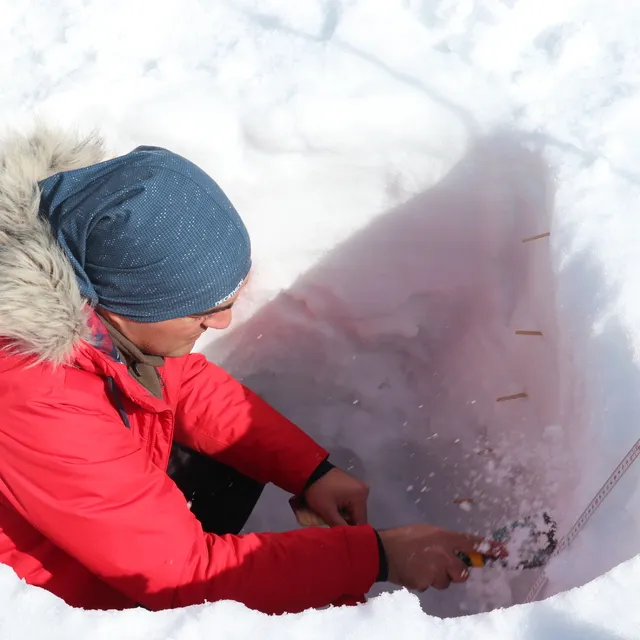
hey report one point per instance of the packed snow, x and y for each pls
(389, 159)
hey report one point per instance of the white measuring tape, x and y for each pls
(592, 507)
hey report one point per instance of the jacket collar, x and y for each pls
(141, 366)
(101, 357)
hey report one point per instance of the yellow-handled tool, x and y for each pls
(473, 559)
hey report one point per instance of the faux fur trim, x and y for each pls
(42, 313)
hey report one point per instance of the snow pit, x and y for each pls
(428, 354)
(396, 350)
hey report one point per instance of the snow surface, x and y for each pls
(389, 158)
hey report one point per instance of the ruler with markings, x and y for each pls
(592, 507)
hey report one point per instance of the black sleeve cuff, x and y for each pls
(321, 470)
(383, 572)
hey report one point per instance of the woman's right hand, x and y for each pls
(420, 556)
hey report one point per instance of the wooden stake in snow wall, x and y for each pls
(515, 396)
(540, 235)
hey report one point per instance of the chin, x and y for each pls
(182, 351)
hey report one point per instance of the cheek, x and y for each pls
(191, 329)
(178, 333)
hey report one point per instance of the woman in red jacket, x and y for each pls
(128, 465)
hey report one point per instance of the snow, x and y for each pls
(389, 158)
(602, 610)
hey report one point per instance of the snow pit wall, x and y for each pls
(394, 350)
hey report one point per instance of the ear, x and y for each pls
(115, 320)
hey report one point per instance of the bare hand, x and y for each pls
(338, 498)
(420, 556)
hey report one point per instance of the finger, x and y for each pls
(358, 512)
(333, 518)
(468, 543)
(458, 571)
(442, 581)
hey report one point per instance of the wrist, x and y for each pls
(320, 471)
(383, 570)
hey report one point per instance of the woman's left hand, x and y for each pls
(338, 498)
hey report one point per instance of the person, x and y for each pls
(130, 465)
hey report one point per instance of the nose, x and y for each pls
(220, 320)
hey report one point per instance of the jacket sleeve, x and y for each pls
(220, 417)
(80, 478)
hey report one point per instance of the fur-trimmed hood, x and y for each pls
(42, 312)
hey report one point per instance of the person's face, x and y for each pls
(176, 337)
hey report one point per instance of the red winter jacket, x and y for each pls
(87, 510)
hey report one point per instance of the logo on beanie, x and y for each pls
(230, 295)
